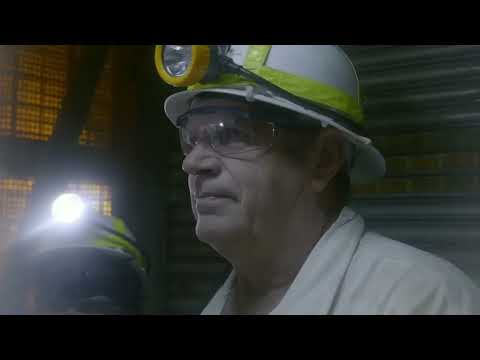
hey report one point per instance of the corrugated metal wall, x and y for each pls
(422, 105)
(423, 110)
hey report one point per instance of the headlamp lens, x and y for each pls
(68, 208)
(177, 59)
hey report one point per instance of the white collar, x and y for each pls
(315, 287)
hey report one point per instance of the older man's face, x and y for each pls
(248, 195)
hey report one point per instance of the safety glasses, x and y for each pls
(230, 132)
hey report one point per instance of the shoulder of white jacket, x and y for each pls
(377, 248)
(408, 273)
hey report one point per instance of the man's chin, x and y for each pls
(216, 231)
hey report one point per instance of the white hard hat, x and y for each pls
(320, 74)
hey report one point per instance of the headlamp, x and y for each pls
(183, 65)
(68, 208)
(186, 65)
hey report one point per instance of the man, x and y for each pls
(269, 170)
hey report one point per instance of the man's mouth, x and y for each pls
(214, 196)
(207, 202)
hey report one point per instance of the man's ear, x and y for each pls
(327, 158)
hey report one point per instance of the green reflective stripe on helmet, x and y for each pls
(313, 91)
(111, 241)
(120, 227)
(257, 56)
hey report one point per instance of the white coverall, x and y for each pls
(351, 271)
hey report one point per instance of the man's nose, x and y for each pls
(202, 160)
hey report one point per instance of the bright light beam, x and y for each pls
(68, 208)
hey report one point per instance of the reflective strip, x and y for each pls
(257, 56)
(116, 243)
(316, 92)
(119, 226)
(112, 241)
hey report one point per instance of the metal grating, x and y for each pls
(98, 196)
(38, 86)
(13, 202)
(33, 83)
